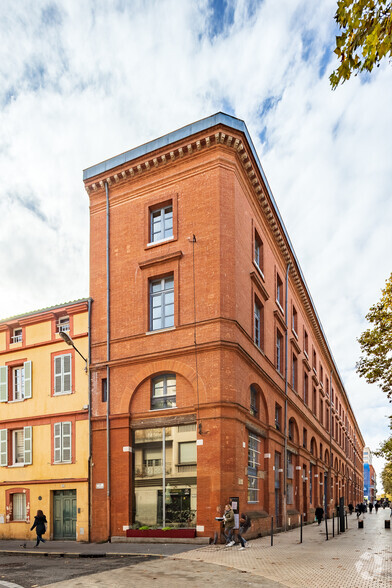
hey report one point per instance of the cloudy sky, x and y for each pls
(84, 80)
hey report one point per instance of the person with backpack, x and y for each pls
(228, 519)
(244, 526)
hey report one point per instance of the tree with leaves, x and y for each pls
(366, 37)
(385, 451)
(376, 343)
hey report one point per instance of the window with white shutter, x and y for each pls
(3, 447)
(63, 374)
(3, 383)
(62, 442)
(19, 506)
(18, 447)
(28, 445)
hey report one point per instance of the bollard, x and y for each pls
(326, 527)
(272, 531)
(300, 535)
(387, 524)
(346, 521)
(333, 525)
(360, 524)
(337, 523)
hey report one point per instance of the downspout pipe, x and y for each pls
(89, 420)
(108, 486)
(286, 345)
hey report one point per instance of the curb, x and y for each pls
(71, 554)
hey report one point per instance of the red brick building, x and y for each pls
(211, 375)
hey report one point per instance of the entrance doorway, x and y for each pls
(64, 515)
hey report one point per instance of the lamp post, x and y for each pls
(65, 337)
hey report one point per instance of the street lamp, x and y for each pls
(65, 337)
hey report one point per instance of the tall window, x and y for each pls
(304, 438)
(258, 252)
(162, 303)
(19, 506)
(21, 441)
(321, 412)
(311, 483)
(279, 351)
(278, 416)
(63, 374)
(19, 387)
(161, 223)
(294, 372)
(253, 401)
(314, 401)
(258, 323)
(294, 324)
(163, 392)
(290, 476)
(18, 383)
(306, 343)
(253, 463)
(279, 291)
(306, 387)
(62, 442)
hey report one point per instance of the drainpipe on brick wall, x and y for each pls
(108, 488)
(89, 422)
(285, 401)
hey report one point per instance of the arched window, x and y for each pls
(163, 393)
(254, 409)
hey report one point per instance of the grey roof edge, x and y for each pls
(187, 131)
(43, 310)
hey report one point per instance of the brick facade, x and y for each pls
(232, 379)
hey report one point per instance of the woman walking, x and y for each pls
(40, 523)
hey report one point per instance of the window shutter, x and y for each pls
(27, 379)
(57, 374)
(57, 442)
(3, 383)
(67, 374)
(3, 447)
(28, 445)
(67, 442)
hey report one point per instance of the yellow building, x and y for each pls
(44, 422)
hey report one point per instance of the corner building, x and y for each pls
(211, 375)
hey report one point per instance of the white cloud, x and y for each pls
(83, 81)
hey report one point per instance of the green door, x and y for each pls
(64, 514)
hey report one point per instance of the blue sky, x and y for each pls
(83, 81)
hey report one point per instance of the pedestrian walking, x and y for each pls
(351, 508)
(40, 524)
(244, 526)
(228, 518)
(370, 507)
(319, 513)
(376, 507)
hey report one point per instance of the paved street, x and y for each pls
(358, 558)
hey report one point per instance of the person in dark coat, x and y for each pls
(40, 523)
(244, 526)
(319, 513)
(351, 508)
(370, 507)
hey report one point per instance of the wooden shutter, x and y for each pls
(67, 442)
(3, 447)
(28, 445)
(57, 374)
(67, 375)
(3, 383)
(57, 442)
(28, 372)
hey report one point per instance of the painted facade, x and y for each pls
(44, 423)
(211, 376)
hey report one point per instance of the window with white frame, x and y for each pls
(19, 506)
(253, 464)
(258, 252)
(62, 438)
(163, 394)
(161, 226)
(63, 324)
(258, 317)
(279, 351)
(162, 303)
(21, 446)
(17, 335)
(20, 382)
(279, 291)
(63, 374)
(187, 452)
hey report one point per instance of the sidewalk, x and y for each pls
(356, 558)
